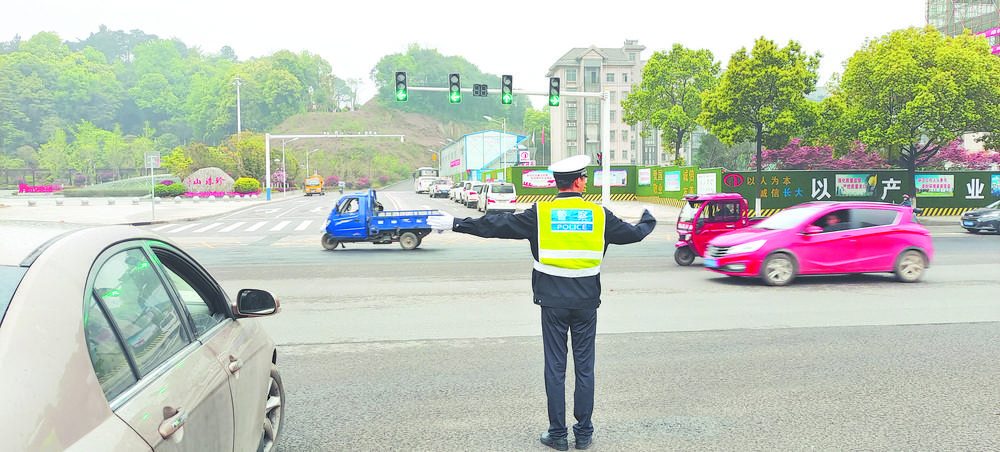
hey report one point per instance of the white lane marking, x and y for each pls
(302, 226)
(213, 225)
(160, 228)
(232, 226)
(280, 226)
(256, 226)
(185, 227)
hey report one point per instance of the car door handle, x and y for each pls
(173, 420)
(234, 364)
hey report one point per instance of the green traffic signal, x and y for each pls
(401, 94)
(454, 88)
(554, 91)
(507, 90)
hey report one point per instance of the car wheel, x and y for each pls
(274, 412)
(910, 266)
(409, 241)
(778, 270)
(329, 242)
(683, 256)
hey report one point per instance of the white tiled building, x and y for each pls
(576, 122)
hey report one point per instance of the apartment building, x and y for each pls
(576, 122)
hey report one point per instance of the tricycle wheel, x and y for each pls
(329, 242)
(683, 256)
(409, 241)
(778, 270)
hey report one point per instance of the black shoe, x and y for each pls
(583, 442)
(557, 444)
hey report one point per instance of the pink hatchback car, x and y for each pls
(824, 238)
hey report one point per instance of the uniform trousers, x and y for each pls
(582, 325)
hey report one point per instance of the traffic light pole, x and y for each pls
(605, 131)
(267, 149)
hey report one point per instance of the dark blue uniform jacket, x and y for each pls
(556, 291)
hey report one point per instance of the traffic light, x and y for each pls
(454, 88)
(553, 91)
(599, 159)
(401, 86)
(507, 90)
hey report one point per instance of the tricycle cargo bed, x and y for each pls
(406, 213)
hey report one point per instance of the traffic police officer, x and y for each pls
(568, 238)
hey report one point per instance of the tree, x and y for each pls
(795, 156)
(670, 95)
(713, 153)
(914, 91)
(428, 68)
(761, 97)
(538, 122)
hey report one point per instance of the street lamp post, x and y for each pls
(503, 160)
(307, 161)
(284, 169)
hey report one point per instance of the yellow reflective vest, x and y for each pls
(570, 238)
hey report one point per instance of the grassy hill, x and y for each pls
(354, 158)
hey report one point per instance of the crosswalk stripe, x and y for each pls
(232, 226)
(189, 226)
(280, 226)
(211, 226)
(302, 226)
(160, 228)
(256, 226)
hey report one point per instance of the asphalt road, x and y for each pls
(438, 349)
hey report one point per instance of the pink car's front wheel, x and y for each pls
(778, 270)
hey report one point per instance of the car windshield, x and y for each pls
(788, 218)
(994, 205)
(688, 211)
(10, 277)
(502, 189)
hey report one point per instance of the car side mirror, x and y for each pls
(700, 223)
(813, 229)
(255, 303)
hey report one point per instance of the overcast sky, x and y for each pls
(523, 41)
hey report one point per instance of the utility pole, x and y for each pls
(239, 125)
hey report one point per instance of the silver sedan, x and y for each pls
(114, 339)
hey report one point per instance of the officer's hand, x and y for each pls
(648, 208)
(441, 222)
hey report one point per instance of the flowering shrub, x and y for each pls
(332, 180)
(79, 179)
(217, 194)
(171, 190)
(246, 185)
(362, 183)
(383, 179)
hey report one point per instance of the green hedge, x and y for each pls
(246, 185)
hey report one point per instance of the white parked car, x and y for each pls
(439, 188)
(472, 194)
(497, 197)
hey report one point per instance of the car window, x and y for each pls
(110, 363)
(838, 220)
(866, 218)
(140, 307)
(204, 303)
(350, 205)
(788, 218)
(721, 211)
(502, 189)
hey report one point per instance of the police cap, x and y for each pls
(570, 168)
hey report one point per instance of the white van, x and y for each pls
(497, 197)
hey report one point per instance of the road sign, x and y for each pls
(152, 159)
